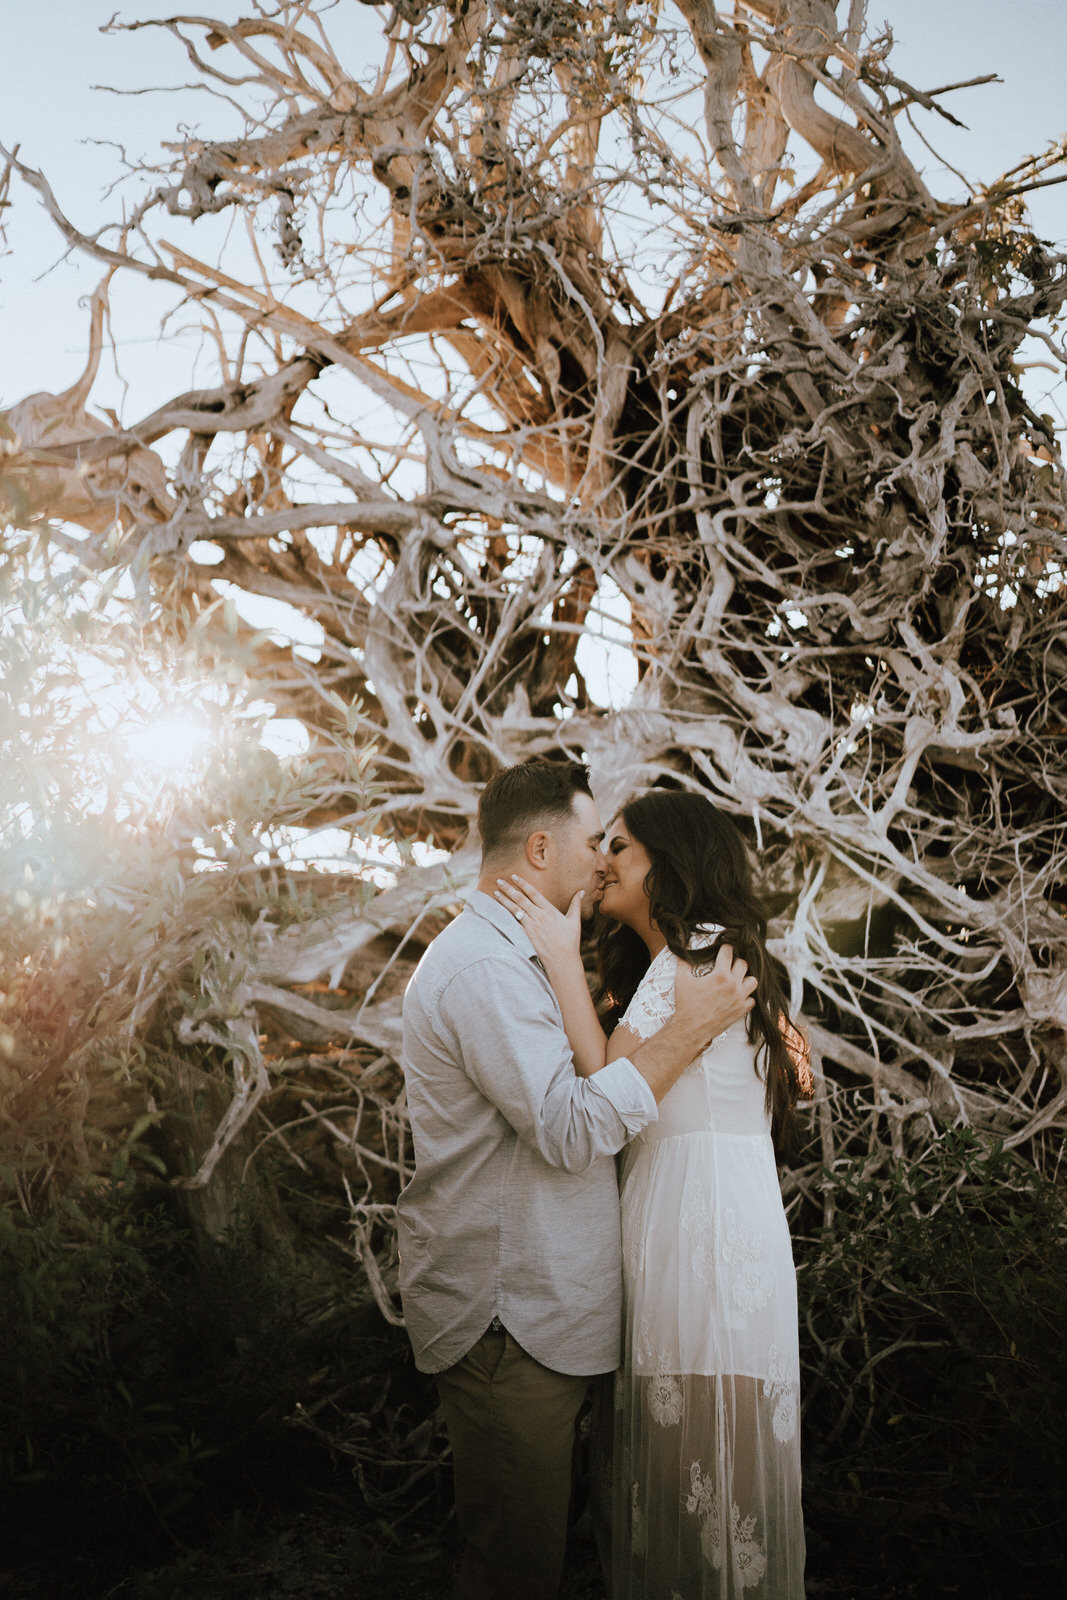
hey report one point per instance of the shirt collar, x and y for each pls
(483, 905)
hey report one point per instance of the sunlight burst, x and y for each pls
(169, 747)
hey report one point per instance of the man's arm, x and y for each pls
(501, 1025)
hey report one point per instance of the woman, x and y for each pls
(706, 1498)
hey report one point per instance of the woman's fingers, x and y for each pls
(530, 892)
(528, 906)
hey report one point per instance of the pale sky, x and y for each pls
(52, 53)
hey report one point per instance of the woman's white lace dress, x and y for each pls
(706, 1478)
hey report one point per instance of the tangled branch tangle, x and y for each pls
(548, 320)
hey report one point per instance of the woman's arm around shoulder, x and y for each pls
(557, 938)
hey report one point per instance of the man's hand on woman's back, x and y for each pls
(711, 999)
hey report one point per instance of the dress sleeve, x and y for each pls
(653, 1001)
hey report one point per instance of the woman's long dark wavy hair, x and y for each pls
(701, 873)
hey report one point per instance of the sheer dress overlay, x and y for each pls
(706, 1469)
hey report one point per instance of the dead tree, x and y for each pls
(536, 302)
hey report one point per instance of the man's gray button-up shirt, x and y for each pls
(513, 1210)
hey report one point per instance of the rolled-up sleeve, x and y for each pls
(622, 1084)
(507, 1030)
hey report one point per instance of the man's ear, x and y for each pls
(538, 850)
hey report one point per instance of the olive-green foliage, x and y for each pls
(150, 1382)
(932, 1315)
(85, 1323)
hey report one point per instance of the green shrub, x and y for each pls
(148, 1379)
(932, 1313)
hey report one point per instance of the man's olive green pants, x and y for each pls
(512, 1424)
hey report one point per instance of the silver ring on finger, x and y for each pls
(519, 915)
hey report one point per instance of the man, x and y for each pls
(510, 1237)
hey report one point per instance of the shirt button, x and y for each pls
(496, 1326)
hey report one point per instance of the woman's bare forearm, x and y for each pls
(586, 1036)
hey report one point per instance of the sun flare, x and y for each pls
(170, 747)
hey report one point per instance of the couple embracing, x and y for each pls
(529, 1264)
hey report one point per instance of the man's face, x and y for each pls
(579, 862)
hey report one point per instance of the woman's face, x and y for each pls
(626, 866)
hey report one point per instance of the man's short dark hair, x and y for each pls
(518, 800)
